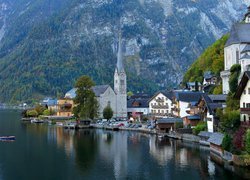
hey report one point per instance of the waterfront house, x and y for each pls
(160, 105)
(50, 103)
(164, 125)
(137, 106)
(243, 94)
(65, 107)
(207, 105)
(209, 78)
(215, 141)
(191, 120)
(183, 101)
(204, 136)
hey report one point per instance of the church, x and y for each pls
(237, 50)
(105, 95)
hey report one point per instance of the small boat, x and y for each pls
(36, 121)
(7, 138)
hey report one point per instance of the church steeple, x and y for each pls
(247, 16)
(119, 64)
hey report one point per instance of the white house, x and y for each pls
(183, 101)
(160, 105)
(243, 94)
(235, 47)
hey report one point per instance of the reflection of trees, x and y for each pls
(85, 148)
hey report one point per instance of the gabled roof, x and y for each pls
(216, 138)
(169, 95)
(218, 97)
(243, 82)
(239, 34)
(193, 117)
(98, 90)
(193, 83)
(142, 102)
(246, 49)
(205, 134)
(169, 120)
(245, 56)
(188, 96)
(208, 75)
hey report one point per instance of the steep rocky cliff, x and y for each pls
(45, 45)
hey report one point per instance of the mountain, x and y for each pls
(46, 45)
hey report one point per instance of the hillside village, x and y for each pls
(188, 110)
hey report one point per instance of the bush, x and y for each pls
(46, 112)
(238, 139)
(227, 143)
(201, 126)
(32, 113)
(107, 112)
(248, 141)
(178, 125)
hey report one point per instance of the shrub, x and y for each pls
(201, 126)
(238, 139)
(248, 141)
(227, 143)
(32, 113)
(107, 112)
(46, 112)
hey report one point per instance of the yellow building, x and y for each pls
(65, 107)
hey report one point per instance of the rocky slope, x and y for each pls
(45, 45)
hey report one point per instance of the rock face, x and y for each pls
(45, 45)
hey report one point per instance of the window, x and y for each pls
(248, 105)
(167, 111)
(159, 111)
(244, 91)
(244, 105)
(248, 90)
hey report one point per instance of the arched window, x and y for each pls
(244, 118)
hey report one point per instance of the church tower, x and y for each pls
(120, 85)
(247, 16)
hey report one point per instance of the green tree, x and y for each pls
(248, 141)
(130, 93)
(108, 112)
(85, 100)
(227, 143)
(46, 112)
(40, 109)
(32, 113)
(233, 80)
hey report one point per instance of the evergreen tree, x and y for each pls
(108, 112)
(85, 100)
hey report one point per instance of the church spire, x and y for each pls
(119, 64)
(247, 16)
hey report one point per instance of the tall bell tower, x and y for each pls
(120, 84)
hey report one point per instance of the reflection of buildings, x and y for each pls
(114, 147)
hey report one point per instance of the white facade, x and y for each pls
(144, 111)
(105, 99)
(210, 122)
(160, 106)
(245, 102)
(183, 107)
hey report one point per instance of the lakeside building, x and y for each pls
(117, 98)
(207, 105)
(194, 86)
(243, 94)
(65, 107)
(161, 104)
(236, 50)
(138, 106)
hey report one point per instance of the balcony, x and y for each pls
(161, 114)
(175, 109)
(245, 111)
(159, 100)
(245, 124)
(160, 106)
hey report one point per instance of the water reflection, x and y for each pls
(131, 155)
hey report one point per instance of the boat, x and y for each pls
(36, 121)
(7, 138)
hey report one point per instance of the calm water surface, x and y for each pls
(49, 152)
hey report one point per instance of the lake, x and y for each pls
(48, 152)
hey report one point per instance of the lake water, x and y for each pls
(49, 152)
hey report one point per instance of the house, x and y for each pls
(204, 136)
(137, 106)
(243, 94)
(164, 125)
(105, 95)
(65, 107)
(192, 120)
(208, 104)
(236, 50)
(215, 141)
(160, 105)
(194, 86)
(50, 103)
(209, 78)
(183, 101)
